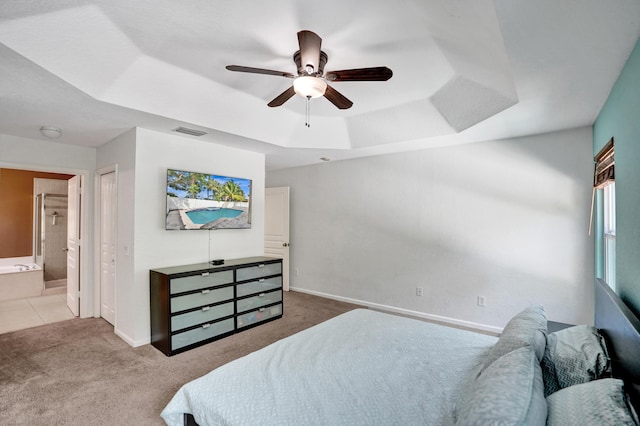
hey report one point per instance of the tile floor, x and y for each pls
(33, 311)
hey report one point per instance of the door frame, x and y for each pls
(97, 241)
(86, 260)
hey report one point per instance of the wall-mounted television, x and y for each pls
(207, 201)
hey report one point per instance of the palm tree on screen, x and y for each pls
(212, 186)
(177, 180)
(231, 191)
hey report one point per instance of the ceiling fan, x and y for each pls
(311, 81)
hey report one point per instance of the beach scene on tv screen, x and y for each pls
(207, 201)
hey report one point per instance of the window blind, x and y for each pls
(603, 173)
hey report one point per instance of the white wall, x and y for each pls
(506, 220)
(143, 157)
(45, 154)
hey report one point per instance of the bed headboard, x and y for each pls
(621, 329)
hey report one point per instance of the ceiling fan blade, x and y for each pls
(240, 68)
(282, 97)
(337, 98)
(360, 74)
(310, 44)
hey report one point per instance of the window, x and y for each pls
(604, 179)
(609, 231)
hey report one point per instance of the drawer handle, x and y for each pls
(262, 309)
(261, 280)
(205, 274)
(206, 325)
(261, 265)
(205, 291)
(206, 308)
(261, 295)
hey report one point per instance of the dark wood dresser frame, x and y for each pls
(161, 299)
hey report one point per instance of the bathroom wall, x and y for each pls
(16, 210)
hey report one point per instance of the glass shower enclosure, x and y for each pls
(50, 238)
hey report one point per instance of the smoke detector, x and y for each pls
(51, 132)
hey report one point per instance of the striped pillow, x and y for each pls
(574, 355)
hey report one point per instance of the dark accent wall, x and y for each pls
(16, 210)
(620, 119)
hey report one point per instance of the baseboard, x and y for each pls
(392, 309)
(131, 342)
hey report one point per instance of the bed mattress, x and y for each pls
(362, 367)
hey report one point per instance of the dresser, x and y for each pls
(192, 305)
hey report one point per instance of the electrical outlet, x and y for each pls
(418, 291)
(482, 301)
(296, 272)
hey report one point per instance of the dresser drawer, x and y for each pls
(261, 299)
(260, 315)
(260, 286)
(202, 315)
(204, 280)
(258, 271)
(196, 335)
(202, 298)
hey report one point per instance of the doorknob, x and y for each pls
(285, 244)
(65, 249)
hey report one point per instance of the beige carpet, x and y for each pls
(78, 372)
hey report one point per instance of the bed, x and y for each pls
(366, 367)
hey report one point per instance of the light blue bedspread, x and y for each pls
(360, 368)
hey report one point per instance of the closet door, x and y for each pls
(108, 247)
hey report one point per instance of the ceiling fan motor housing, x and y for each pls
(302, 69)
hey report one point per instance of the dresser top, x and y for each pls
(228, 263)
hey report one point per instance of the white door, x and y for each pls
(73, 244)
(276, 228)
(108, 247)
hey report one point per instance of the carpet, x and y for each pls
(78, 372)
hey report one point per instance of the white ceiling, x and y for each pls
(463, 70)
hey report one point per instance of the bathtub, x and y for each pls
(17, 282)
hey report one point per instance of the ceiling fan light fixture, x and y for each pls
(309, 87)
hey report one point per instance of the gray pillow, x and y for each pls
(508, 392)
(574, 355)
(528, 328)
(600, 402)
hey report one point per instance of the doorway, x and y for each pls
(22, 197)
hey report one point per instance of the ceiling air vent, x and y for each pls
(188, 131)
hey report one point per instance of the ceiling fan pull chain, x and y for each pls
(308, 112)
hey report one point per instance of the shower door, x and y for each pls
(50, 233)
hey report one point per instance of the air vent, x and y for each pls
(188, 131)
